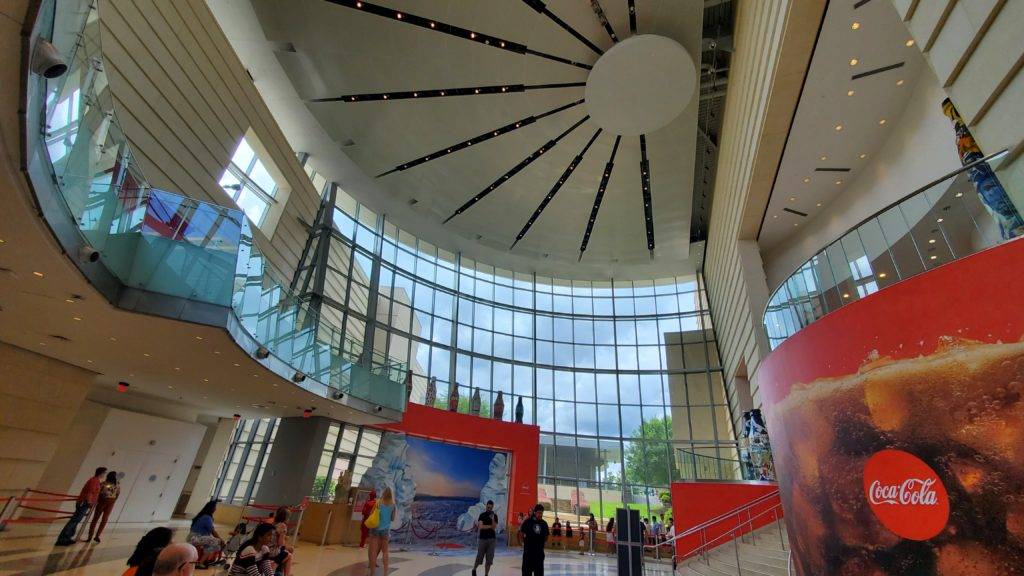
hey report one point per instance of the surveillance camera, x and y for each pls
(262, 353)
(380, 408)
(88, 254)
(47, 61)
(338, 395)
(298, 377)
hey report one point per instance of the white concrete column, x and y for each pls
(210, 465)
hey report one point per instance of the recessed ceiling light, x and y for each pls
(169, 387)
(237, 365)
(146, 354)
(882, 274)
(882, 122)
(39, 274)
(112, 339)
(823, 158)
(178, 368)
(932, 257)
(939, 220)
(909, 43)
(76, 318)
(959, 194)
(838, 182)
(795, 224)
(863, 156)
(850, 92)
(931, 240)
(792, 198)
(899, 82)
(846, 295)
(839, 127)
(807, 179)
(206, 379)
(818, 204)
(774, 216)
(855, 25)
(89, 361)
(854, 61)
(2, 241)
(199, 337)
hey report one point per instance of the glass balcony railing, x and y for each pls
(164, 243)
(754, 463)
(955, 216)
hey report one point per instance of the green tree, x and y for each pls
(651, 463)
(323, 489)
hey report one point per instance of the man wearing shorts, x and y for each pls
(487, 523)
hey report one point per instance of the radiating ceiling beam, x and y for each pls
(632, 16)
(542, 8)
(447, 92)
(555, 188)
(645, 188)
(595, 5)
(599, 197)
(478, 139)
(515, 169)
(459, 32)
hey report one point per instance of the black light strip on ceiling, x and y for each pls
(632, 16)
(438, 26)
(478, 139)
(555, 188)
(797, 212)
(447, 92)
(877, 71)
(599, 197)
(595, 5)
(542, 8)
(860, 3)
(831, 169)
(645, 188)
(516, 169)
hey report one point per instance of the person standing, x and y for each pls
(487, 523)
(380, 535)
(364, 532)
(656, 528)
(109, 491)
(535, 533)
(87, 498)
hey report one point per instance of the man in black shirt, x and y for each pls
(487, 523)
(535, 533)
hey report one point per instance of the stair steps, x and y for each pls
(760, 554)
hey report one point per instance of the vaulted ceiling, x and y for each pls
(573, 130)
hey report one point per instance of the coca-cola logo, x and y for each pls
(905, 494)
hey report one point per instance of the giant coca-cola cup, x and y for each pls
(911, 466)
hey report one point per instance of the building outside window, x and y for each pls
(240, 475)
(249, 183)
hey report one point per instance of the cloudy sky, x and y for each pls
(448, 470)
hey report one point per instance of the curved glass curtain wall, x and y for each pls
(164, 243)
(621, 376)
(944, 221)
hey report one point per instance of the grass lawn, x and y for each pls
(607, 509)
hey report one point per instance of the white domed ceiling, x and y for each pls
(566, 129)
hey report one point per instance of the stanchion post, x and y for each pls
(736, 550)
(85, 521)
(295, 536)
(4, 516)
(778, 524)
(327, 526)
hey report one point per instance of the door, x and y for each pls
(146, 499)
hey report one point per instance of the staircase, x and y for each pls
(760, 554)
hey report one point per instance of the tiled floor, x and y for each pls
(25, 555)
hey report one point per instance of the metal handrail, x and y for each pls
(729, 514)
(707, 545)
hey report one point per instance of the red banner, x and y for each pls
(897, 426)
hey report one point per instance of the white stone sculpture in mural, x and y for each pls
(495, 489)
(390, 468)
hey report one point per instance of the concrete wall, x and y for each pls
(920, 148)
(773, 43)
(976, 49)
(39, 398)
(185, 100)
(291, 466)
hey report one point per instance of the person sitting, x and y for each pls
(146, 551)
(279, 546)
(568, 534)
(254, 556)
(235, 538)
(204, 536)
(176, 560)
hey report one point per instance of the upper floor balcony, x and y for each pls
(954, 216)
(155, 252)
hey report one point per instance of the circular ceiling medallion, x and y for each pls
(640, 85)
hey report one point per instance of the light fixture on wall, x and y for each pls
(47, 61)
(299, 377)
(262, 353)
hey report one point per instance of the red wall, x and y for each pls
(696, 502)
(522, 441)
